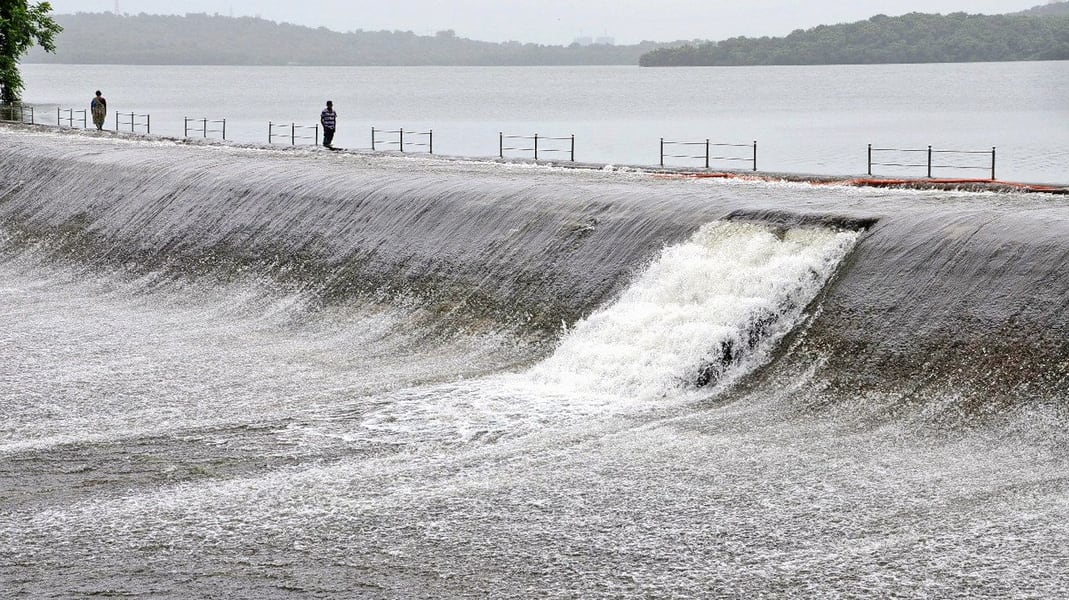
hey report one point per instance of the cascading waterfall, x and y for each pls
(705, 308)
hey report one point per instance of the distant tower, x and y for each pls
(116, 7)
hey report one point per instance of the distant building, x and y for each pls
(586, 40)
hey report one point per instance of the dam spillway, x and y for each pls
(334, 374)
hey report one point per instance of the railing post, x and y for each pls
(992, 163)
(662, 152)
(315, 137)
(116, 121)
(706, 153)
(430, 141)
(372, 139)
(224, 130)
(501, 144)
(148, 124)
(293, 134)
(755, 156)
(573, 147)
(204, 127)
(536, 146)
(401, 139)
(870, 160)
(59, 116)
(929, 161)
(270, 130)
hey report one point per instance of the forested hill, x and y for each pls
(200, 39)
(1051, 9)
(1039, 34)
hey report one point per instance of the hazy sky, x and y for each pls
(559, 21)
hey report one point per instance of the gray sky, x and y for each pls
(559, 21)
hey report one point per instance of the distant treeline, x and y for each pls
(201, 39)
(1041, 33)
(1051, 9)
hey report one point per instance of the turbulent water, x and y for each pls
(251, 373)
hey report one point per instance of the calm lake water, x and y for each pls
(804, 119)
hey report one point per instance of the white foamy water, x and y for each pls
(736, 285)
(734, 288)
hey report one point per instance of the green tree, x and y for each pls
(22, 27)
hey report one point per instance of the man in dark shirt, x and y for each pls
(99, 107)
(329, 119)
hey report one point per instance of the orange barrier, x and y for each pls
(875, 182)
(1027, 187)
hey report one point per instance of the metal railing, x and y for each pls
(535, 147)
(902, 158)
(401, 143)
(291, 132)
(134, 121)
(929, 158)
(708, 156)
(217, 126)
(17, 112)
(73, 117)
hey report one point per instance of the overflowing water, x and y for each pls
(253, 373)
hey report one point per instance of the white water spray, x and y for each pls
(705, 311)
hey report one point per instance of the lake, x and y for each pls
(805, 119)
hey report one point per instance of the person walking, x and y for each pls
(329, 119)
(99, 107)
